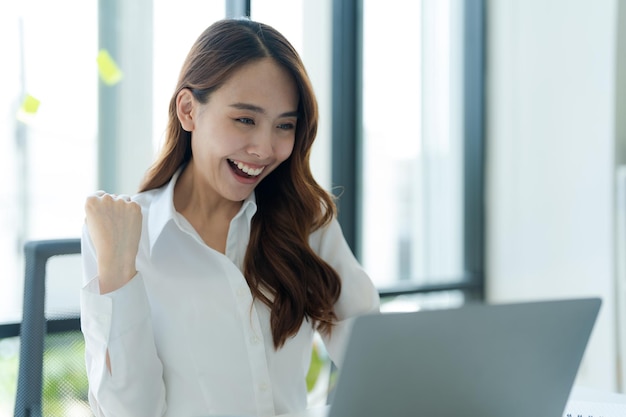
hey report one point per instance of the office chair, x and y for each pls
(44, 334)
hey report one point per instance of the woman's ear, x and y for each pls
(185, 104)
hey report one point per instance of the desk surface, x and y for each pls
(596, 395)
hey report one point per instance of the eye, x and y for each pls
(245, 120)
(286, 126)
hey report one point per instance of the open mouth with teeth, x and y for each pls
(244, 170)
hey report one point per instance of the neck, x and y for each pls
(199, 202)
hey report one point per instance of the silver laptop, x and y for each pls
(507, 360)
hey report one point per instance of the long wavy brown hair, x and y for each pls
(280, 267)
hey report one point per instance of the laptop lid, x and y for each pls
(513, 360)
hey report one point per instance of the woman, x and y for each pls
(203, 291)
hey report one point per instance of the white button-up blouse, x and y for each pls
(185, 337)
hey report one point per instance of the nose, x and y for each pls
(260, 145)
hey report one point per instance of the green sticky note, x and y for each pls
(110, 73)
(30, 105)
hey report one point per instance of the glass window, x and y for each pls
(49, 126)
(412, 185)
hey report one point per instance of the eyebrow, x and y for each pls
(261, 110)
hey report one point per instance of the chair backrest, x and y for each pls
(38, 330)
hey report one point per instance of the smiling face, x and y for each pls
(245, 130)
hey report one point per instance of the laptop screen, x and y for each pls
(513, 360)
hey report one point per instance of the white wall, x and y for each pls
(550, 169)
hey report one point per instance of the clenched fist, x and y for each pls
(114, 223)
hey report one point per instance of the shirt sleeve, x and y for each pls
(119, 323)
(358, 294)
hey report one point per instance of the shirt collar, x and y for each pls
(162, 209)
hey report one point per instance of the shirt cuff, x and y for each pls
(113, 314)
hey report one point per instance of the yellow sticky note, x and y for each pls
(28, 109)
(30, 105)
(109, 71)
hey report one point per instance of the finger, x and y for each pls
(124, 197)
(99, 193)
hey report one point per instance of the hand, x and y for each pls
(114, 224)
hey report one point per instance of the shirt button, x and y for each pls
(263, 386)
(255, 340)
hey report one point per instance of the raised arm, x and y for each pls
(358, 293)
(124, 371)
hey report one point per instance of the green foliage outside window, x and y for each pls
(65, 382)
(65, 385)
(9, 354)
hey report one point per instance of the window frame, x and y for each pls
(347, 139)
